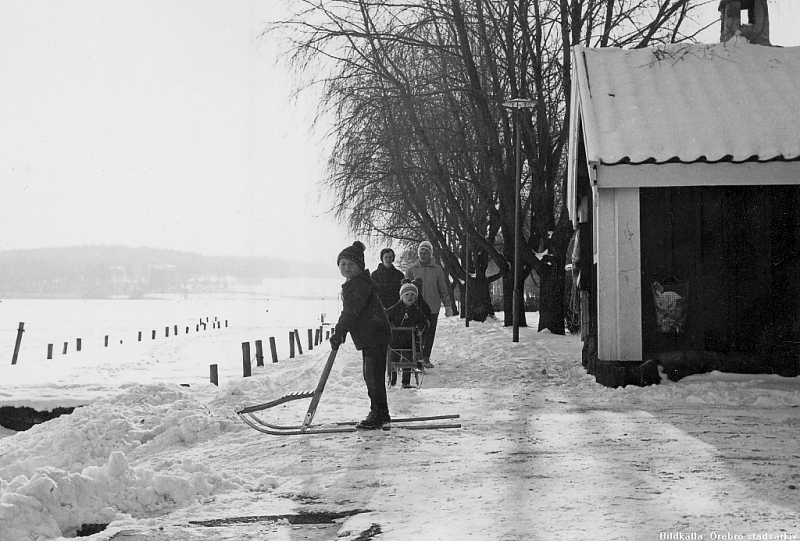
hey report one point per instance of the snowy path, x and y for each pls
(544, 453)
(536, 459)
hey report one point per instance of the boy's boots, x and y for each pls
(375, 420)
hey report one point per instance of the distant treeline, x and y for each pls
(115, 271)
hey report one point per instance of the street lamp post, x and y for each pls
(517, 105)
(466, 260)
(465, 302)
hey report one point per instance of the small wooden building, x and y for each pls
(684, 182)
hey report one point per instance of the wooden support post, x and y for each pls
(106, 341)
(310, 339)
(64, 352)
(20, 330)
(77, 344)
(214, 375)
(259, 354)
(140, 336)
(154, 334)
(299, 345)
(166, 332)
(49, 351)
(187, 330)
(291, 345)
(176, 330)
(273, 349)
(226, 323)
(246, 359)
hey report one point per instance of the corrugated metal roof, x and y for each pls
(726, 101)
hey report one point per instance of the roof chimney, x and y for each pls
(757, 28)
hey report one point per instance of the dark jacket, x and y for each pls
(388, 280)
(401, 315)
(362, 314)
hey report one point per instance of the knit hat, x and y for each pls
(408, 288)
(425, 245)
(354, 253)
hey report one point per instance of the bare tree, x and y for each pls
(423, 145)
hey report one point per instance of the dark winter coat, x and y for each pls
(388, 280)
(401, 315)
(362, 314)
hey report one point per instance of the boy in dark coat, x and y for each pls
(388, 278)
(364, 318)
(406, 313)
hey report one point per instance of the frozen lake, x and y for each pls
(274, 311)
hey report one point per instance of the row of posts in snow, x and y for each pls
(314, 339)
(202, 325)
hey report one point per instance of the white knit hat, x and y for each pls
(425, 245)
(409, 288)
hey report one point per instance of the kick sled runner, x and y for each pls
(248, 414)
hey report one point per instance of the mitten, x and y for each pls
(336, 341)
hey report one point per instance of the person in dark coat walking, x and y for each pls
(364, 318)
(388, 278)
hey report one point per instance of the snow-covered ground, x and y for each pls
(544, 451)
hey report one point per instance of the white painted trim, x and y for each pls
(619, 301)
(697, 174)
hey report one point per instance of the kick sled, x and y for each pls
(399, 359)
(248, 414)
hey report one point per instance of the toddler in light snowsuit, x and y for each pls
(406, 313)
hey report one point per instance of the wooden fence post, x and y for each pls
(299, 345)
(77, 344)
(291, 345)
(20, 330)
(214, 375)
(140, 336)
(259, 354)
(310, 340)
(65, 349)
(49, 351)
(246, 359)
(106, 341)
(273, 349)
(154, 334)
(166, 332)
(187, 330)
(176, 330)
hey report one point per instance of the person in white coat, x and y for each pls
(434, 291)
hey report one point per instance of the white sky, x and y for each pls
(156, 123)
(165, 123)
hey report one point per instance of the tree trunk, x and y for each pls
(551, 305)
(480, 299)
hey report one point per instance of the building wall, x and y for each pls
(739, 249)
(618, 258)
